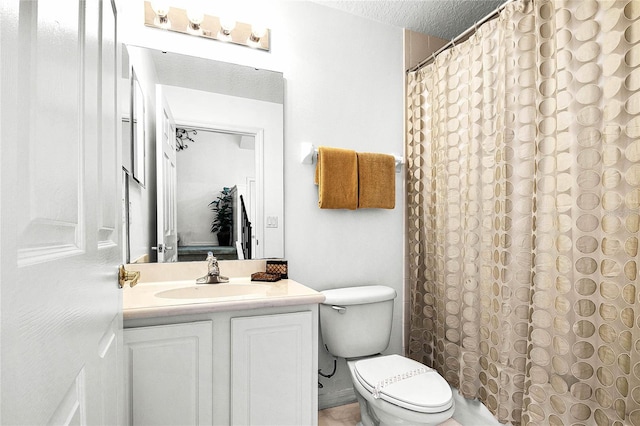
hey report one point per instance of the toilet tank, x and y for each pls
(356, 321)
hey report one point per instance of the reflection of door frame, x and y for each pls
(251, 197)
(258, 134)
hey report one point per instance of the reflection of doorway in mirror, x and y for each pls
(214, 161)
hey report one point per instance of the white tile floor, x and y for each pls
(343, 415)
(467, 413)
(349, 415)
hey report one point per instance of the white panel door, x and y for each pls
(169, 374)
(272, 374)
(60, 245)
(167, 220)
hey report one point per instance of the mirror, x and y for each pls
(125, 92)
(229, 122)
(137, 130)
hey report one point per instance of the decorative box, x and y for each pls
(278, 267)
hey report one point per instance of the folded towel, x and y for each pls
(376, 181)
(337, 178)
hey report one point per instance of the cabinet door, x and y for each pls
(272, 377)
(169, 372)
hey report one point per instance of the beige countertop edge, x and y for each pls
(231, 305)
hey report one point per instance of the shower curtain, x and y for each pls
(523, 148)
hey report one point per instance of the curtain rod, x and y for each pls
(467, 33)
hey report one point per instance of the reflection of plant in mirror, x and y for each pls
(223, 220)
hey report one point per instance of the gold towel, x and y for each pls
(376, 181)
(337, 178)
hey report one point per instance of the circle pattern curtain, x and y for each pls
(523, 148)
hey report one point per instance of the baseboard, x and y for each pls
(334, 399)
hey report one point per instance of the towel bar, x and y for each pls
(309, 155)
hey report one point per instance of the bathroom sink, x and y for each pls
(209, 291)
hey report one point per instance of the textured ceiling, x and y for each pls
(440, 18)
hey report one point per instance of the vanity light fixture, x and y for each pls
(159, 14)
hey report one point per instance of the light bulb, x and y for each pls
(161, 9)
(227, 25)
(257, 32)
(195, 16)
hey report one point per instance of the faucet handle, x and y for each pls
(124, 276)
(212, 266)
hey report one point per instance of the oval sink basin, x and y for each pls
(212, 291)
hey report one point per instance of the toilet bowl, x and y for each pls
(355, 324)
(423, 398)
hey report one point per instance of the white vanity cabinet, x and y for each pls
(261, 368)
(272, 374)
(169, 374)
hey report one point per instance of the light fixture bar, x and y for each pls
(209, 27)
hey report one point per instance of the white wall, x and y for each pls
(344, 80)
(344, 88)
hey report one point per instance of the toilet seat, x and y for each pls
(425, 391)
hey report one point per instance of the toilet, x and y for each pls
(355, 324)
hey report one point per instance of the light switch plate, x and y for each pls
(272, 221)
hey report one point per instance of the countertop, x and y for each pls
(143, 301)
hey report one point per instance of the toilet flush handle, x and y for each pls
(340, 309)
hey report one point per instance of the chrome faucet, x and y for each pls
(213, 272)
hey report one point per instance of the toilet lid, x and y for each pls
(424, 391)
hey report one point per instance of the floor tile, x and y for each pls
(349, 415)
(344, 415)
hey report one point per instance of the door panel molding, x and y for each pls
(51, 222)
(72, 409)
